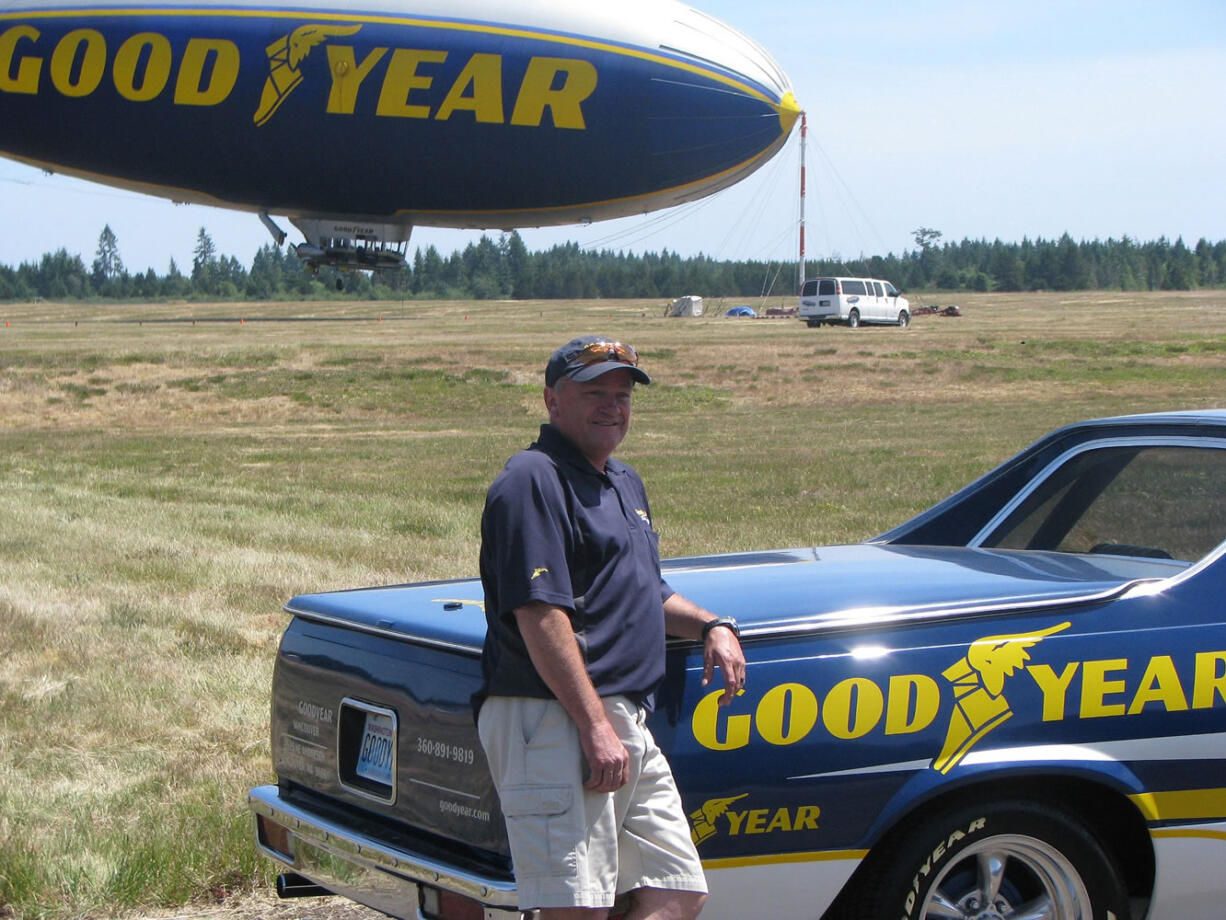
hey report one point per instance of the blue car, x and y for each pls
(1011, 706)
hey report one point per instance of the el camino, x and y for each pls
(1010, 706)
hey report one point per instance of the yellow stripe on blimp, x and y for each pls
(782, 106)
(781, 859)
(1182, 805)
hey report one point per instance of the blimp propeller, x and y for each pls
(361, 121)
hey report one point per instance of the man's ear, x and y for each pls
(551, 400)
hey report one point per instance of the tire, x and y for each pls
(1042, 858)
(904, 319)
(853, 319)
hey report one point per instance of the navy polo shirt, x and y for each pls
(558, 531)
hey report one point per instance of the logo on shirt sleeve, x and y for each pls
(643, 514)
(537, 573)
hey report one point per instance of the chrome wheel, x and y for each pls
(1010, 877)
(1012, 859)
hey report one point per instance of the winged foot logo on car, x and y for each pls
(979, 682)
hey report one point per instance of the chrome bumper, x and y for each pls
(367, 870)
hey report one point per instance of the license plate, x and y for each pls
(376, 755)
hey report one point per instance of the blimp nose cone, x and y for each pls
(789, 111)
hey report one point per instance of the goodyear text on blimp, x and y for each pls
(140, 68)
(385, 81)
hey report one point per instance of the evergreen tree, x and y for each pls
(1181, 275)
(931, 262)
(175, 284)
(432, 272)
(108, 266)
(519, 264)
(1005, 267)
(1070, 270)
(60, 275)
(419, 266)
(503, 267)
(265, 280)
(1206, 265)
(204, 264)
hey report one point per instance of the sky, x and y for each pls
(980, 120)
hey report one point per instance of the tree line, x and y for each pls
(504, 268)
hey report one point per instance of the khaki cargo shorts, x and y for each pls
(572, 847)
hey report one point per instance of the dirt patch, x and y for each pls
(261, 905)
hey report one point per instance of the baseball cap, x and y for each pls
(589, 356)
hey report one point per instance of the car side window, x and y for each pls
(877, 288)
(1165, 502)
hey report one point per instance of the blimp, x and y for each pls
(359, 121)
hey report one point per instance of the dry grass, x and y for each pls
(168, 484)
(759, 362)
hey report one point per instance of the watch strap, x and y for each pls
(720, 621)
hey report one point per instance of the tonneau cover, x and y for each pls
(783, 589)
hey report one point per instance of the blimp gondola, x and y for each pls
(360, 121)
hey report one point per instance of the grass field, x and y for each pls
(171, 474)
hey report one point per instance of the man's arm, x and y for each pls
(684, 618)
(551, 644)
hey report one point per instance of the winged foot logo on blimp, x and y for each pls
(284, 57)
(979, 683)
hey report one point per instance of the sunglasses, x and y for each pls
(596, 352)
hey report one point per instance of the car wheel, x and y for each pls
(1000, 860)
(904, 318)
(853, 319)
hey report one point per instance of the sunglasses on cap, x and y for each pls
(598, 352)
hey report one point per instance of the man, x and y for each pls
(577, 613)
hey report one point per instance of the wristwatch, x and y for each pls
(720, 621)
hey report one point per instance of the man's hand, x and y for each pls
(556, 656)
(723, 649)
(608, 760)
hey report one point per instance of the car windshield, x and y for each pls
(1160, 502)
